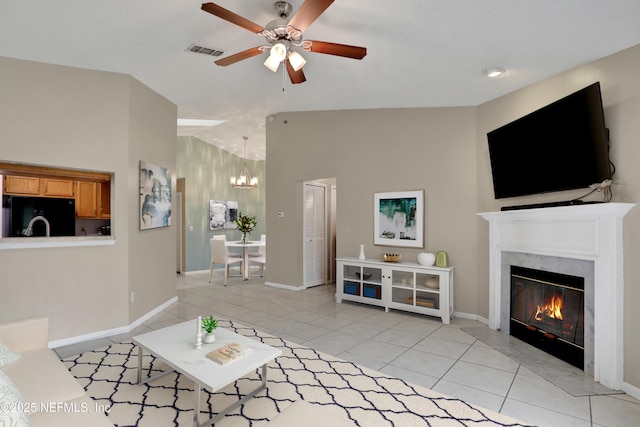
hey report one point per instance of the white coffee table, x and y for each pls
(175, 346)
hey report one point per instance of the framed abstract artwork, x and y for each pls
(398, 219)
(222, 214)
(155, 196)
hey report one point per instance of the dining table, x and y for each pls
(245, 252)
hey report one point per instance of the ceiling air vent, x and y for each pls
(204, 50)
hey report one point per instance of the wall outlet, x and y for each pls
(133, 297)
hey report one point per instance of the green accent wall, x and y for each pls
(206, 170)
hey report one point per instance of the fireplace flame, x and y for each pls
(553, 309)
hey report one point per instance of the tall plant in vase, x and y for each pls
(245, 224)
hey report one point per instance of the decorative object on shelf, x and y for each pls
(362, 256)
(155, 196)
(245, 224)
(363, 276)
(426, 258)
(198, 344)
(398, 219)
(442, 259)
(244, 181)
(222, 214)
(432, 282)
(391, 257)
(209, 324)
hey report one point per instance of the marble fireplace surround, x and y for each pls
(590, 232)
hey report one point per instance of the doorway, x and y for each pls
(319, 212)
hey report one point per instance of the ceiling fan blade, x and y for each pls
(295, 76)
(237, 57)
(338, 49)
(308, 12)
(227, 15)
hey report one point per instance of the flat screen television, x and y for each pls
(562, 146)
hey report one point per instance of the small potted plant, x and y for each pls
(209, 324)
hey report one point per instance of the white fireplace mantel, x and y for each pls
(588, 232)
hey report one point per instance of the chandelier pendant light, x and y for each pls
(244, 181)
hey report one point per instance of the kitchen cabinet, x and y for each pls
(33, 186)
(86, 200)
(93, 200)
(401, 286)
(57, 187)
(21, 185)
(103, 200)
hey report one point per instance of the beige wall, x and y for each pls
(370, 151)
(74, 118)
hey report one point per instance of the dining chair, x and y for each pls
(261, 256)
(261, 249)
(220, 255)
(224, 238)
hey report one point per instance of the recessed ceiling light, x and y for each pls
(198, 122)
(494, 71)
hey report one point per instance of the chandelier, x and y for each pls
(244, 181)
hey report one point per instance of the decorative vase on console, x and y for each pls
(362, 256)
(426, 258)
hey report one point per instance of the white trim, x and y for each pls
(111, 332)
(54, 242)
(471, 316)
(281, 286)
(189, 273)
(631, 390)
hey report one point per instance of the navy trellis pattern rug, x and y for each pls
(366, 397)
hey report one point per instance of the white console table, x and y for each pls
(399, 285)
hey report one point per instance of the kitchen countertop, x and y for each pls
(55, 242)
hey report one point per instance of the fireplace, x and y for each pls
(592, 233)
(547, 311)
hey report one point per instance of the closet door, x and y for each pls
(314, 234)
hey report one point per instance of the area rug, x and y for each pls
(366, 397)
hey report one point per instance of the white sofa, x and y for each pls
(52, 396)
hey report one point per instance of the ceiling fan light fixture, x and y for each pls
(272, 63)
(278, 51)
(296, 60)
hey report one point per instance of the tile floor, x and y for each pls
(417, 348)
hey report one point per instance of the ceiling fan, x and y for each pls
(282, 35)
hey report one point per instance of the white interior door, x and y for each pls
(314, 234)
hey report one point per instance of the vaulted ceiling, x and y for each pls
(420, 53)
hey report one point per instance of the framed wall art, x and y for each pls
(222, 214)
(398, 219)
(155, 196)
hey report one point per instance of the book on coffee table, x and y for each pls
(228, 353)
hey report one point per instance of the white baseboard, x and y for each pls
(631, 390)
(189, 273)
(114, 331)
(281, 286)
(470, 316)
